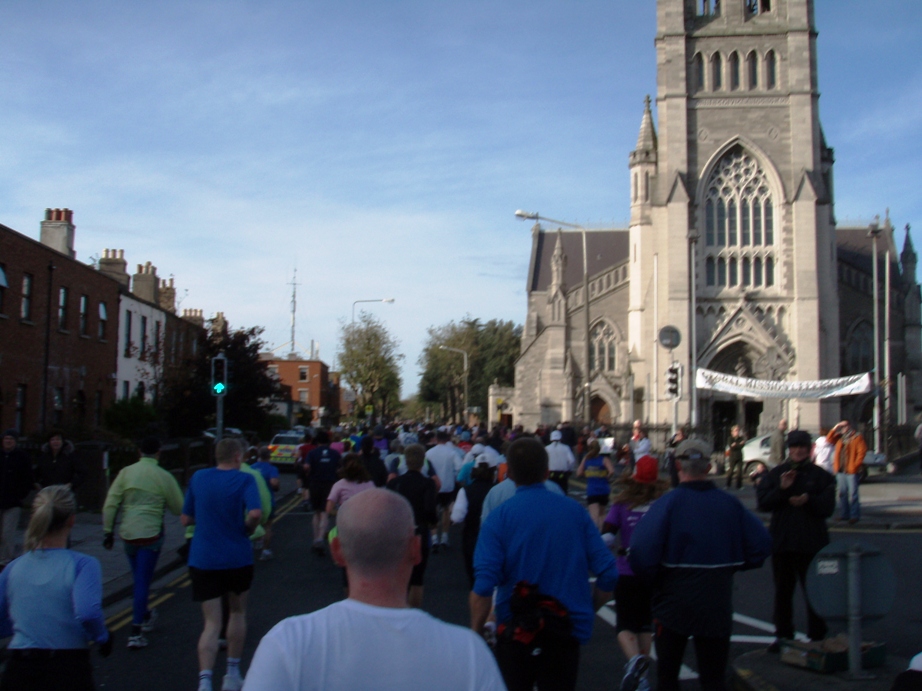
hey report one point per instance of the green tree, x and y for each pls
(131, 418)
(370, 364)
(187, 402)
(492, 349)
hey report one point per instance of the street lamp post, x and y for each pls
(388, 300)
(874, 233)
(466, 377)
(693, 330)
(587, 415)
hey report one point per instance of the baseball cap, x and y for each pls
(799, 438)
(556, 435)
(646, 470)
(693, 448)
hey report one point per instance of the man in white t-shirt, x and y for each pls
(560, 461)
(444, 459)
(372, 640)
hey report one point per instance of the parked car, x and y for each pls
(212, 432)
(284, 448)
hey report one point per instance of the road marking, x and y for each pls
(151, 605)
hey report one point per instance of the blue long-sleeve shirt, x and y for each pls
(548, 540)
(52, 599)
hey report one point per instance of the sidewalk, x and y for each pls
(86, 537)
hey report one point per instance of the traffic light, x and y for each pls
(674, 380)
(219, 375)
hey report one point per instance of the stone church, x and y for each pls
(732, 209)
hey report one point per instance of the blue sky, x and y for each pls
(382, 147)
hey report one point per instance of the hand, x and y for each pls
(799, 500)
(105, 649)
(787, 479)
(108, 540)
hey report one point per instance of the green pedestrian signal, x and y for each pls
(219, 375)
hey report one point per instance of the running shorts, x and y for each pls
(208, 584)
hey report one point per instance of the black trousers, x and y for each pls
(735, 467)
(789, 568)
(712, 655)
(554, 668)
(48, 670)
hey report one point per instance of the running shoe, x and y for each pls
(445, 540)
(205, 684)
(634, 671)
(151, 620)
(266, 555)
(137, 642)
(232, 682)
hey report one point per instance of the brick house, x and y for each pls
(58, 330)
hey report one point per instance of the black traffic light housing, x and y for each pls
(674, 380)
(219, 375)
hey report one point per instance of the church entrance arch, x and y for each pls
(601, 411)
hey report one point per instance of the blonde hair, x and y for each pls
(51, 509)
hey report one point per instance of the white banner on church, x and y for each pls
(762, 388)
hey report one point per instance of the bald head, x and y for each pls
(376, 532)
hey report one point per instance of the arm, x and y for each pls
(608, 466)
(87, 598)
(769, 493)
(459, 511)
(330, 508)
(253, 519)
(648, 543)
(757, 543)
(823, 502)
(188, 509)
(581, 471)
(113, 501)
(480, 610)
(6, 624)
(274, 484)
(430, 507)
(601, 563)
(173, 494)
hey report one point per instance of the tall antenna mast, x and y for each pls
(294, 305)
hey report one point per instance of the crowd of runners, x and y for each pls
(383, 500)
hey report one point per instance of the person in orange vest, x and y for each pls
(847, 463)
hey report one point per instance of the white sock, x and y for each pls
(233, 666)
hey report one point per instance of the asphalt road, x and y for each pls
(297, 582)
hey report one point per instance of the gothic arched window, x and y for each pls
(739, 213)
(771, 70)
(602, 348)
(752, 71)
(716, 72)
(734, 71)
(698, 72)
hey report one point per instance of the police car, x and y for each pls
(284, 448)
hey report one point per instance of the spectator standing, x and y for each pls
(823, 451)
(372, 640)
(143, 491)
(847, 464)
(597, 470)
(224, 504)
(560, 460)
(632, 593)
(800, 496)
(321, 469)
(58, 463)
(16, 482)
(776, 453)
(735, 456)
(548, 541)
(51, 604)
(691, 543)
(669, 460)
(420, 491)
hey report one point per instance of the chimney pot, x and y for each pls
(47, 214)
(121, 254)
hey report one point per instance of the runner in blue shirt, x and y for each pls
(224, 505)
(271, 475)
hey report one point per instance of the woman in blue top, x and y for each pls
(51, 603)
(596, 469)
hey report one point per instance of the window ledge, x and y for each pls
(85, 336)
(4, 316)
(27, 322)
(64, 331)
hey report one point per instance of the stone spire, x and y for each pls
(558, 265)
(646, 140)
(908, 258)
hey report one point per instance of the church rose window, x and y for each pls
(739, 215)
(602, 348)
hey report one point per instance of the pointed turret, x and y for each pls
(643, 167)
(908, 258)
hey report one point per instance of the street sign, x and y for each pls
(827, 581)
(670, 337)
(369, 409)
